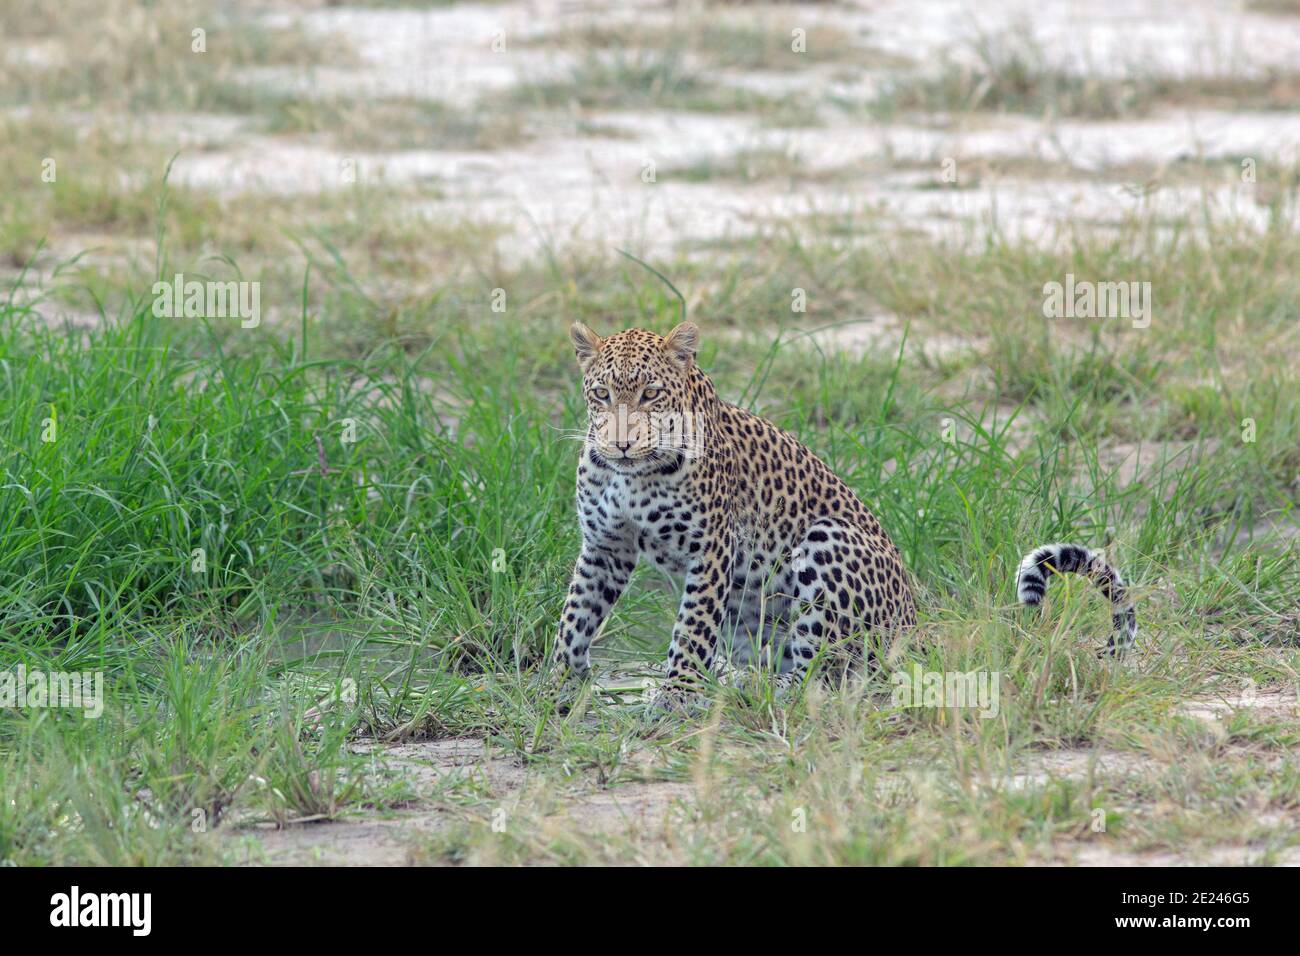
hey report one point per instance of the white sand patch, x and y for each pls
(1269, 704)
(1087, 145)
(272, 165)
(584, 194)
(1113, 37)
(872, 178)
(442, 53)
(186, 131)
(1041, 769)
(561, 188)
(881, 335)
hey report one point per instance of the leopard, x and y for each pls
(779, 560)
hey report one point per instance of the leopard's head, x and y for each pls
(640, 394)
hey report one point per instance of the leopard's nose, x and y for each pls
(623, 446)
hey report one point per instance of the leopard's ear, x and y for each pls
(586, 343)
(683, 342)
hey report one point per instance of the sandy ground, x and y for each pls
(399, 837)
(390, 838)
(562, 187)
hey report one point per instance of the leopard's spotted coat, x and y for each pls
(778, 554)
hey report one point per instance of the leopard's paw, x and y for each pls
(563, 683)
(788, 686)
(745, 678)
(674, 700)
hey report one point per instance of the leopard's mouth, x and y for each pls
(632, 463)
(626, 461)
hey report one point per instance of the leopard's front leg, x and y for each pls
(694, 643)
(599, 577)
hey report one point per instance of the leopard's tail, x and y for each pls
(1031, 585)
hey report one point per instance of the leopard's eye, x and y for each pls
(601, 394)
(650, 394)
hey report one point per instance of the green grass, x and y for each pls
(644, 79)
(745, 166)
(385, 124)
(373, 561)
(754, 44)
(1279, 7)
